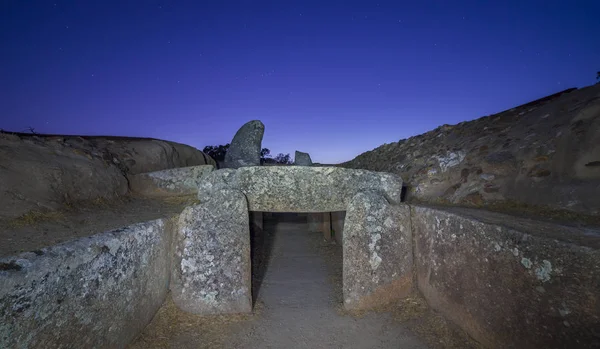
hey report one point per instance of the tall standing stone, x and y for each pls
(245, 147)
(302, 159)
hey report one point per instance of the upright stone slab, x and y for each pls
(212, 273)
(337, 225)
(377, 252)
(314, 221)
(326, 225)
(246, 146)
(302, 159)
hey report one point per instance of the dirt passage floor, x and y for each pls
(299, 305)
(46, 228)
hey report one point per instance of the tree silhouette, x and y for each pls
(32, 130)
(598, 76)
(265, 153)
(218, 152)
(283, 159)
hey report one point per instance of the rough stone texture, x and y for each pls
(302, 159)
(256, 220)
(48, 171)
(337, 225)
(301, 189)
(176, 181)
(377, 249)
(320, 222)
(141, 155)
(545, 153)
(212, 272)
(510, 282)
(96, 292)
(261, 248)
(314, 221)
(246, 146)
(326, 226)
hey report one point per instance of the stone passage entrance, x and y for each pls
(212, 271)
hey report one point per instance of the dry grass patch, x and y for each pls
(173, 328)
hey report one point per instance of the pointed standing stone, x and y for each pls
(245, 146)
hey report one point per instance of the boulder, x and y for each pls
(246, 146)
(171, 182)
(46, 172)
(39, 174)
(541, 157)
(302, 159)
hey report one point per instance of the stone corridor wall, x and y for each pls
(509, 282)
(94, 292)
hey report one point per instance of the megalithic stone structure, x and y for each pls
(245, 147)
(302, 159)
(211, 272)
(377, 251)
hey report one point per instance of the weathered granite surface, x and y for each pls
(314, 221)
(302, 159)
(300, 188)
(319, 222)
(96, 292)
(246, 146)
(261, 246)
(337, 225)
(49, 171)
(510, 282)
(176, 181)
(212, 272)
(377, 247)
(545, 154)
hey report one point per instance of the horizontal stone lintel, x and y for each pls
(301, 188)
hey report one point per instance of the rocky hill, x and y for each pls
(543, 156)
(40, 172)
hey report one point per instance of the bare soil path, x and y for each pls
(299, 305)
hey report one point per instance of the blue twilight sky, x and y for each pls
(332, 78)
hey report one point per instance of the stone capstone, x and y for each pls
(246, 146)
(302, 159)
(212, 272)
(300, 188)
(377, 251)
(176, 181)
